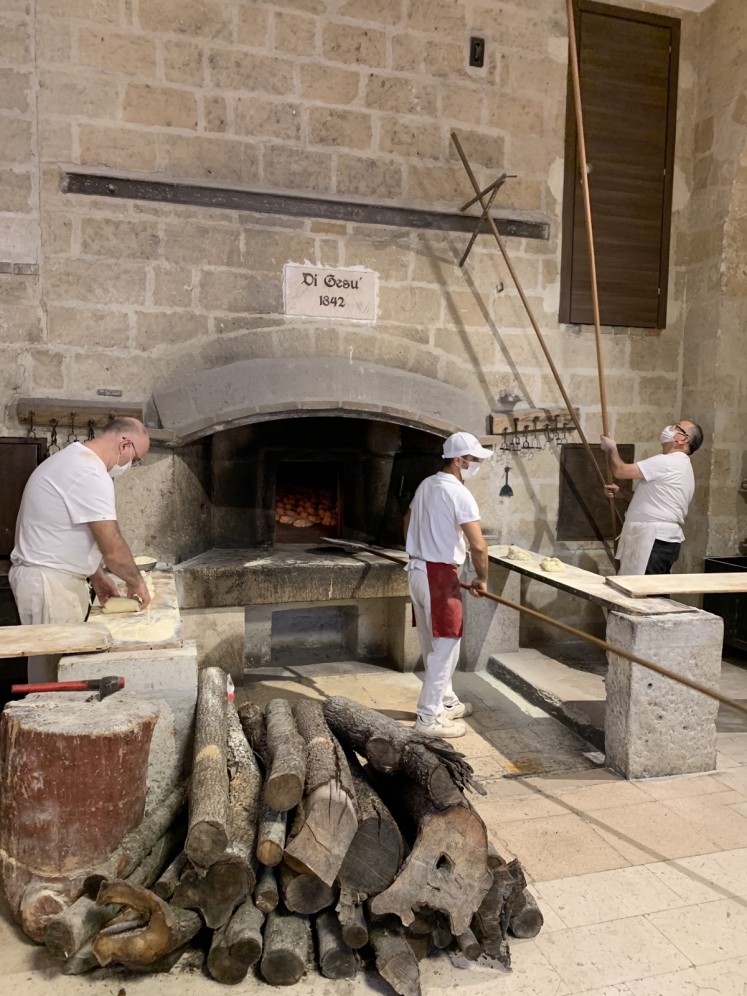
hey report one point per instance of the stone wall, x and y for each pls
(354, 100)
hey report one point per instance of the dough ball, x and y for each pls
(121, 605)
(552, 564)
(516, 553)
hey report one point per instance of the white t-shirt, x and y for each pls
(440, 506)
(65, 492)
(664, 495)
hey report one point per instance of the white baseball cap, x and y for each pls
(465, 444)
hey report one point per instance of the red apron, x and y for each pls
(446, 599)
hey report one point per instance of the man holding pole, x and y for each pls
(652, 534)
(443, 517)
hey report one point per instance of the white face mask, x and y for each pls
(117, 471)
(667, 434)
(469, 471)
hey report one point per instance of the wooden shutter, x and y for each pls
(628, 68)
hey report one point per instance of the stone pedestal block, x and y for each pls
(404, 648)
(219, 636)
(490, 628)
(653, 725)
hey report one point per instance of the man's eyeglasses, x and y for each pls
(678, 428)
(137, 456)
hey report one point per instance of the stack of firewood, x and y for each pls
(323, 820)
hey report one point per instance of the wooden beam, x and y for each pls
(97, 185)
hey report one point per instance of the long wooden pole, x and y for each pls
(584, 170)
(665, 672)
(528, 308)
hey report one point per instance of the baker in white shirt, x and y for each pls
(652, 535)
(66, 524)
(443, 517)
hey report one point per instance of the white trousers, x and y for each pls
(46, 596)
(440, 653)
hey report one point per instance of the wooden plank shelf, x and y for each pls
(644, 585)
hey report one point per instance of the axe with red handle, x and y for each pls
(104, 686)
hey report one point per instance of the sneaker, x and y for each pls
(458, 710)
(441, 727)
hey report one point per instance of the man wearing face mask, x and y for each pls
(443, 517)
(66, 524)
(652, 535)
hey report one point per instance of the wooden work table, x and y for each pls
(158, 626)
(585, 584)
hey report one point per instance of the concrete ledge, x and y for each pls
(574, 698)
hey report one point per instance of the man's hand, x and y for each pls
(611, 490)
(477, 587)
(139, 591)
(608, 444)
(103, 586)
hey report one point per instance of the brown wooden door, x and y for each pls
(19, 457)
(628, 69)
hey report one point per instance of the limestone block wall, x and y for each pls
(716, 292)
(338, 98)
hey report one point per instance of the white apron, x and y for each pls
(635, 546)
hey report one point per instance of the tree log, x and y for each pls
(207, 837)
(169, 879)
(526, 917)
(447, 867)
(328, 807)
(245, 788)
(336, 959)
(216, 892)
(375, 853)
(266, 890)
(236, 946)
(395, 959)
(71, 929)
(272, 830)
(352, 919)
(287, 944)
(168, 927)
(469, 945)
(437, 768)
(253, 724)
(491, 920)
(287, 752)
(302, 893)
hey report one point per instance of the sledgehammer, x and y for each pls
(104, 686)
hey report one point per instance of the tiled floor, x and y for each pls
(643, 885)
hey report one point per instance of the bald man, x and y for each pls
(652, 535)
(67, 525)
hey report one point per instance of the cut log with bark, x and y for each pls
(169, 878)
(287, 945)
(253, 724)
(266, 896)
(526, 918)
(55, 829)
(433, 764)
(215, 892)
(168, 928)
(67, 932)
(375, 854)
(329, 817)
(287, 754)
(447, 867)
(336, 959)
(490, 922)
(352, 919)
(207, 836)
(395, 960)
(236, 946)
(303, 893)
(244, 795)
(469, 945)
(272, 831)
